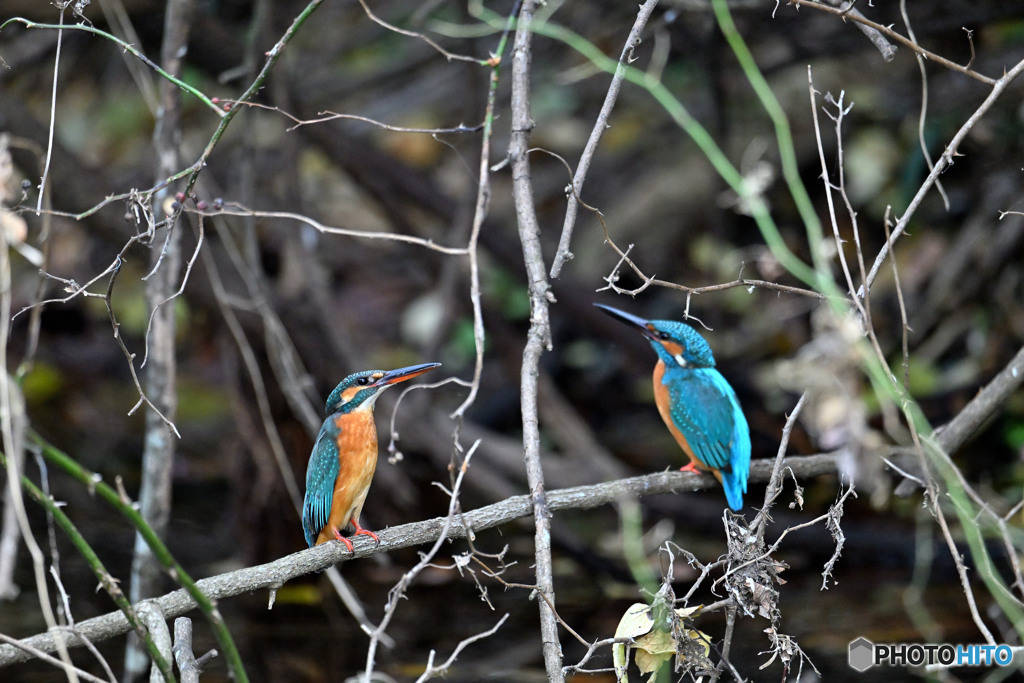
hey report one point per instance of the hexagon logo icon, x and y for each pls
(862, 654)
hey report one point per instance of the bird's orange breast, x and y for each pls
(357, 461)
(663, 401)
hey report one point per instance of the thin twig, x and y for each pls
(450, 56)
(961, 567)
(240, 210)
(893, 35)
(601, 123)
(480, 210)
(327, 115)
(433, 671)
(944, 161)
(904, 323)
(43, 184)
(651, 281)
(398, 591)
(775, 480)
(923, 115)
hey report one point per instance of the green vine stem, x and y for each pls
(972, 518)
(232, 109)
(787, 150)
(106, 580)
(697, 132)
(969, 515)
(127, 47)
(122, 504)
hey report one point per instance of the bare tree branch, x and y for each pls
(273, 575)
(601, 123)
(859, 18)
(183, 655)
(160, 359)
(957, 431)
(539, 336)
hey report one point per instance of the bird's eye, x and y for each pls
(363, 381)
(663, 336)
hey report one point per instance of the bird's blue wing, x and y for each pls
(706, 411)
(321, 473)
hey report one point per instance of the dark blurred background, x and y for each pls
(344, 304)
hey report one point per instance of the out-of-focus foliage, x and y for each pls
(348, 303)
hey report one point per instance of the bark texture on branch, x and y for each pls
(273, 575)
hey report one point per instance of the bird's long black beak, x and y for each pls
(401, 374)
(644, 326)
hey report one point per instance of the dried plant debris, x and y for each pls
(657, 633)
(753, 574)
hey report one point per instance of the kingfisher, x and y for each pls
(344, 456)
(696, 402)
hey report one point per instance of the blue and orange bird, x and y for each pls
(697, 404)
(344, 456)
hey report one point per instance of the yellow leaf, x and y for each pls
(635, 622)
(653, 650)
(650, 663)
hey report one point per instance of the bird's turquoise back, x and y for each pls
(320, 476)
(705, 410)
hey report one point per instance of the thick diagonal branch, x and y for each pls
(273, 575)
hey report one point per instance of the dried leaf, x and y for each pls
(653, 650)
(655, 644)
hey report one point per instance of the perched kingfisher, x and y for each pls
(697, 403)
(344, 456)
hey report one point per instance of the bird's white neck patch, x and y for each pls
(367, 404)
(680, 360)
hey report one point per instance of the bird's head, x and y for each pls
(675, 343)
(361, 389)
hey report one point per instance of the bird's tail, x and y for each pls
(734, 479)
(735, 484)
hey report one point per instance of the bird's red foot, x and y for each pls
(348, 543)
(360, 531)
(690, 467)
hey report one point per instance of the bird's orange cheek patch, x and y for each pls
(674, 348)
